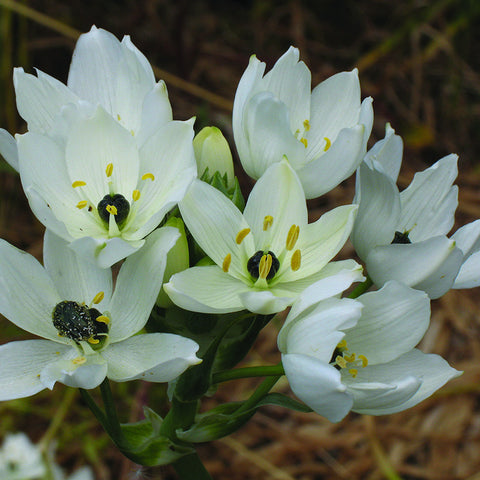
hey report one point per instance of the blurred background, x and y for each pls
(420, 61)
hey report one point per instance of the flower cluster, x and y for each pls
(115, 179)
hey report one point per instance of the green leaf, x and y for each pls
(280, 400)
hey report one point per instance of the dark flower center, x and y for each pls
(401, 238)
(253, 264)
(116, 205)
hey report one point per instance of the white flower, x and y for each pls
(98, 190)
(323, 133)
(89, 330)
(341, 354)
(20, 459)
(402, 235)
(264, 258)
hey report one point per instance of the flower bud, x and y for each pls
(177, 260)
(213, 153)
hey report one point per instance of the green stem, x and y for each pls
(96, 410)
(362, 288)
(247, 372)
(191, 467)
(261, 391)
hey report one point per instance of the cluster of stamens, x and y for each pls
(113, 203)
(343, 359)
(264, 264)
(302, 138)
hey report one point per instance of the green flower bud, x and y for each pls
(213, 153)
(177, 260)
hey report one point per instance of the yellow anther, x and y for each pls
(136, 195)
(103, 319)
(79, 360)
(78, 183)
(364, 360)
(304, 141)
(267, 222)
(111, 209)
(340, 361)
(265, 266)
(82, 204)
(132, 133)
(306, 125)
(350, 358)
(353, 372)
(98, 297)
(93, 341)
(296, 260)
(241, 235)
(109, 170)
(150, 176)
(119, 118)
(227, 261)
(343, 344)
(292, 237)
(328, 144)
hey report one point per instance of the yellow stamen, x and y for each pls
(98, 297)
(119, 118)
(82, 204)
(353, 372)
(364, 360)
(343, 344)
(148, 175)
(104, 319)
(136, 195)
(267, 222)
(304, 141)
(109, 170)
(328, 144)
(340, 361)
(93, 341)
(79, 360)
(350, 358)
(296, 260)
(241, 235)
(226, 262)
(265, 266)
(78, 183)
(306, 125)
(112, 209)
(292, 237)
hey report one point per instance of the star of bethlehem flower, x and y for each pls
(263, 258)
(89, 331)
(403, 235)
(105, 72)
(323, 132)
(342, 354)
(98, 190)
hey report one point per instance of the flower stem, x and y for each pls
(191, 467)
(361, 288)
(261, 391)
(248, 372)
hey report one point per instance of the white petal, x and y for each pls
(27, 294)
(268, 198)
(388, 153)
(214, 222)
(378, 211)
(318, 385)
(155, 357)
(394, 319)
(138, 283)
(40, 99)
(74, 278)
(319, 242)
(469, 274)
(267, 126)
(430, 201)
(8, 149)
(290, 81)
(264, 302)
(431, 265)
(317, 331)
(22, 363)
(206, 290)
(467, 238)
(432, 372)
(95, 143)
(325, 170)
(88, 376)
